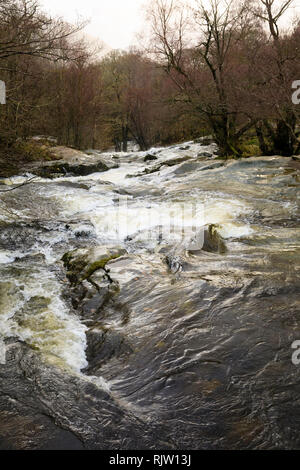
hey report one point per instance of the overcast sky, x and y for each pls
(115, 22)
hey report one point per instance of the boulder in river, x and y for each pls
(82, 263)
(71, 162)
(213, 242)
(150, 157)
(209, 239)
(205, 154)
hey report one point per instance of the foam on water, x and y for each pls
(31, 304)
(7, 257)
(118, 176)
(116, 217)
(235, 230)
(32, 309)
(16, 180)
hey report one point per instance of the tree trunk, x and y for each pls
(125, 138)
(225, 137)
(285, 140)
(264, 148)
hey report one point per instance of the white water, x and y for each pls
(53, 329)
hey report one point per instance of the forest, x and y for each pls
(225, 69)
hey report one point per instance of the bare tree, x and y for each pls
(193, 63)
(272, 11)
(283, 133)
(25, 30)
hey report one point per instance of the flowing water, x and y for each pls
(191, 347)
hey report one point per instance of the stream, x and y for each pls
(153, 305)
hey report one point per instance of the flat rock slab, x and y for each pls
(71, 162)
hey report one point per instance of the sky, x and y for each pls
(115, 22)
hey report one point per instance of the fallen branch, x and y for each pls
(18, 186)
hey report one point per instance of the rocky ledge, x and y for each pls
(70, 162)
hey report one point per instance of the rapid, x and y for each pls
(174, 341)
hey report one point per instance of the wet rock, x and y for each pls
(89, 296)
(82, 263)
(71, 162)
(208, 240)
(205, 154)
(43, 407)
(146, 171)
(174, 263)
(122, 192)
(213, 242)
(187, 167)
(84, 229)
(32, 258)
(38, 303)
(213, 166)
(155, 168)
(103, 345)
(44, 138)
(73, 184)
(19, 235)
(185, 147)
(66, 169)
(150, 157)
(206, 140)
(176, 161)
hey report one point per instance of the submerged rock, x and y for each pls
(187, 168)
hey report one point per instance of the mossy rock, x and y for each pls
(82, 263)
(213, 242)
(32, 151)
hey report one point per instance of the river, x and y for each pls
(182, 338)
